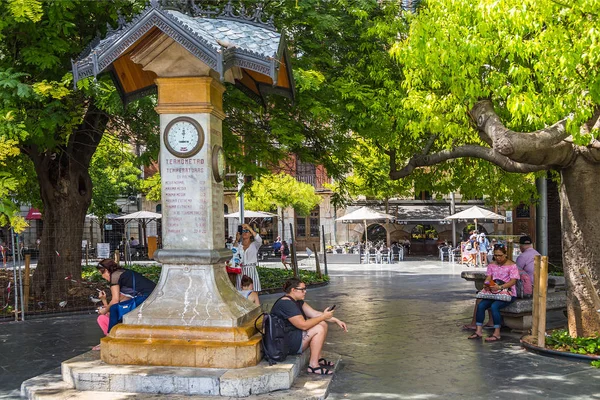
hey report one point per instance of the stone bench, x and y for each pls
(555, 283)
(518, 315)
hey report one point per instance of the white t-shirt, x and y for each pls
(250, 255)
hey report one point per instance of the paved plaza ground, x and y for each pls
(404, 341)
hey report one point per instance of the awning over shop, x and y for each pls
(419, 213)
(33, 213)
(409, 214)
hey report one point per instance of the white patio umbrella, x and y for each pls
(141, 215)
(144, 217)
(476, 213)
(365, 214)
(251, 214)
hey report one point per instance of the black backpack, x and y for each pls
(274, 343)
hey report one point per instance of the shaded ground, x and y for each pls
(404, 342)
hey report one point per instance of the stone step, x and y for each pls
(305, 388)
(105, 381)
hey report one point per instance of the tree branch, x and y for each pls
(85, 139)
(429, 144)
(508, 142)
(543, 147)
(466, 151)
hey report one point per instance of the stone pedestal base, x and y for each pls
(179, 346)
(87, 377)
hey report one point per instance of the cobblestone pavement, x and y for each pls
(404, 341)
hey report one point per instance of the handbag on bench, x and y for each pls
(502, 295)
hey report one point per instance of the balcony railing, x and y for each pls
(313, 180)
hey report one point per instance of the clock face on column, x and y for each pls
(184, 137)
(218, 163)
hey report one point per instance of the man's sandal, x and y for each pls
(319, 370)
(492, 338)
(324, 363)
(474, 336)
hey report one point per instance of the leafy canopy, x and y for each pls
(269, 192)
(114, 175)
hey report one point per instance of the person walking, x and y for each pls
(285, 253)
(484, 246)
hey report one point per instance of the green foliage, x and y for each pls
(151, 187)
(271, 191)
(113, 174)
(270, 278)
(39, 110)
(370, 177)
(274, 278)
(532, 58)
(561, 340)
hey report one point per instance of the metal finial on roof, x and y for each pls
(227, 10)
(154, 3)
(254, 18)
(121, 20)
(197, 11)
(109, 29)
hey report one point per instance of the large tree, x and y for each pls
(58, 129)
(517, 84)
(55, 127)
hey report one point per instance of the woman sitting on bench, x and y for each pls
(505, 271)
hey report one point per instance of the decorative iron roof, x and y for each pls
(222, 39)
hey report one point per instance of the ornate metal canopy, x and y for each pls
(239, 46)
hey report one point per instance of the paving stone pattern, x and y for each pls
(404, 342)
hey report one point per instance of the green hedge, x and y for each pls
(270, 278)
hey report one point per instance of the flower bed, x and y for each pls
(559, 342)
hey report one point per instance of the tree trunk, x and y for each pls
(60, 250)
(581, 243)
(66, 192)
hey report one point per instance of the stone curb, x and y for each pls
(555, 353)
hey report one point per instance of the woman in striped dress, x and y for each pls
(247, 247)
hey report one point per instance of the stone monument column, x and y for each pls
(194, 317)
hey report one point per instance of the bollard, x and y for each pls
(26, 281)
(317, 265)
(542, 292)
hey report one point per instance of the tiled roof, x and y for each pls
(233, 34)
(222, 42)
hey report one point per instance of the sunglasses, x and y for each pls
(245, 231)
(499, 246)
(302, 289)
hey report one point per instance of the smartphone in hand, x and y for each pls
(240, 228)
(331, 308)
